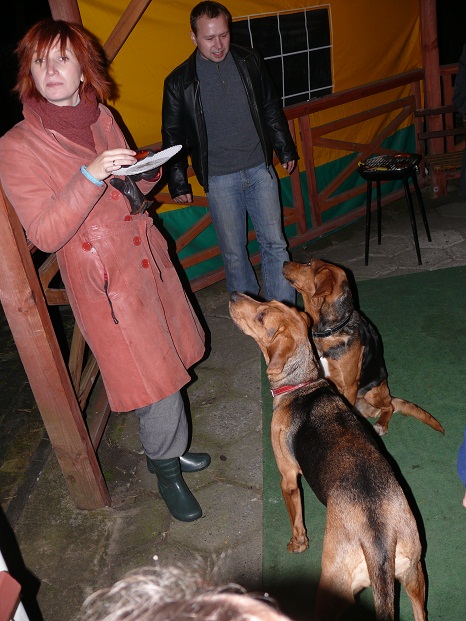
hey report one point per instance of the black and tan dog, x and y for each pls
(348, 345)
(371, 535)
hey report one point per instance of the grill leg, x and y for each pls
(421, 205)
(368, 220)
(379, 214)
(409, 200)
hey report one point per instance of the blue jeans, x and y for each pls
(231, 198)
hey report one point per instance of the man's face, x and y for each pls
(213, 38)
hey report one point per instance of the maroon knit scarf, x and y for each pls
(73, 122)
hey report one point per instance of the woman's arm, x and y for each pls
(52, 199)
(50, 214)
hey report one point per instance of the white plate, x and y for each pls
(149, 162)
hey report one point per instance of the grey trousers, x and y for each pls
(163, 428)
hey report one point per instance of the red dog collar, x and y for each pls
(289, 388)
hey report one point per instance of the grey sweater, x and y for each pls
(233, 142)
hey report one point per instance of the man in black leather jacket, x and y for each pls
(221, 105)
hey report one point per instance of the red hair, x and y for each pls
(39, 39)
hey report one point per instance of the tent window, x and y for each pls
(296, 46)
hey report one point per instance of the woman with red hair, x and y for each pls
(58, 169)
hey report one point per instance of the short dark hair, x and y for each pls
(210, 10)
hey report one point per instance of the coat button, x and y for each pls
(145, 263)
(137, 241)
(87, 246)
(115, 195)
(127, 218)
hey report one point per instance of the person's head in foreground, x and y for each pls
(175, 594)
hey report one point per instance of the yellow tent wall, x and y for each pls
(371, 41)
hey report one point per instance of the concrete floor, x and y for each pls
(61, 554)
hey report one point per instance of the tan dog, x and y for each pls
(349, 347)
(371, 536)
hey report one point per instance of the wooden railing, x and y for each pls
(440, 132)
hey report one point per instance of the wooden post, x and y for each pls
(67, 10)
(29, 320)
(432, 82)
(430, 55)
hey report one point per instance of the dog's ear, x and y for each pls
(324, 282)
(278, 351)
(306, 318)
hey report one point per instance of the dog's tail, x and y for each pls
(380, 559)
(411, 409)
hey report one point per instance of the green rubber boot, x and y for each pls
(189, 462)
(176, 494)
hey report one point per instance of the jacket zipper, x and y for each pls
(115, 320)
(201, 131)
(248, 87)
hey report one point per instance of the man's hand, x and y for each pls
(184, 198)
(289, 166)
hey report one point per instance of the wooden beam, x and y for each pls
(432, 81)
(430, 55)
(67, 10)
(29, 320)
(351, 94)
(124, 27)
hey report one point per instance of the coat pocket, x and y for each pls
(96, 270)
(112, 312)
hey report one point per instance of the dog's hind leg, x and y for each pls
(334, 593)
(344, 572)
(332, 601)
(377, 403)
(413, 581)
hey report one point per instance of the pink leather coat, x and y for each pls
(123, 288)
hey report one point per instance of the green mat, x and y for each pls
(421, 320)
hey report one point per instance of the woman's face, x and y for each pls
(57, 77)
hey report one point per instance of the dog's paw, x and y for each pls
(380, 430)
(297, 545)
